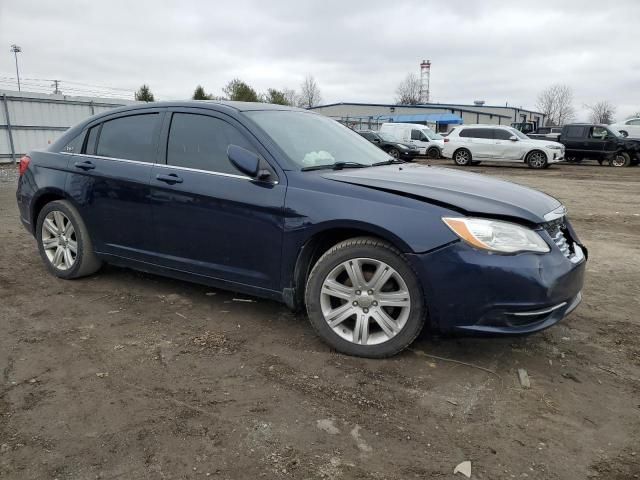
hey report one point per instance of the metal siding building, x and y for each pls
(364, 113)
(31, 121)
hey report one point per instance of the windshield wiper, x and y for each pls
(388, 162)
(335, 166)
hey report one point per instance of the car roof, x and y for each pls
(219, 105)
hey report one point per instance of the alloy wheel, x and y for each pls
(59, 240)
(462, 157)
(365, 301)
(394, 153)
(537, 159)
(619, 161)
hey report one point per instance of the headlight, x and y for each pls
(495, 235)
(553, 147)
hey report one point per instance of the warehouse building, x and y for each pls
(440, 116)
(31, 121)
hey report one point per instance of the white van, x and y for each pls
(428, 141)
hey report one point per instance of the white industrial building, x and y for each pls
(442, 116)
(31, 121)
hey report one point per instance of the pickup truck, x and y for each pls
(546, 133)
(599, 142)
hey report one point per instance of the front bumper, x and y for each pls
(555, 156)
(468, 290)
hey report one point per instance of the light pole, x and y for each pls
(16, 49)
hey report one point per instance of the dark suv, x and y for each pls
(599, 142)
(406, 151)
(290, 205)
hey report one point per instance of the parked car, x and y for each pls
(525, 127)
(429, 142)
(289, 205)
(629, 128)
(406, 151)
(545, 133)
(599, 142)
(470, 144)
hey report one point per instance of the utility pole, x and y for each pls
(16, 49)
(56, 84)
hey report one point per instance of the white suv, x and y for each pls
(630, 127)
(470, 144)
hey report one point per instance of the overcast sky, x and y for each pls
(498, 51)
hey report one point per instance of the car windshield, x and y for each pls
(387, 137)
(431, 135)
(312, 140)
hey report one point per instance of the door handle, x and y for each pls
(87, 165)
(170, 178)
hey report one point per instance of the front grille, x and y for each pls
(560, 236)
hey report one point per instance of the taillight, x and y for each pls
(446, 139)
(24, 164)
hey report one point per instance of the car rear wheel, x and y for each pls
(64, 242)
(364, 299)
(537, 159)
(620, 160)
(394, 153)
(433, 153)
(462, 157)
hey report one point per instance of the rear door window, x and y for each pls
(485, 133)
(130, 138)
(574, 132)
(500, 134)
(201, 142)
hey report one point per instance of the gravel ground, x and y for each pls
(128, 375)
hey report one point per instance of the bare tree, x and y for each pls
(556, 102)
(291, 96)
(408, 91)
(602, 112)
(309, 93)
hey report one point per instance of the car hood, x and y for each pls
(471, 192)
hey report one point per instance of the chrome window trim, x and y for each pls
(209, 172)
(85, 155)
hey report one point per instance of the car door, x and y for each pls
(595, 142)
(506, 149)
(480, 142)
(209, 218)
(419, 140)
(109, 182)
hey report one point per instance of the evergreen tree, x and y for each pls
(200, 94)
(237, 90)
(144, 94)
(278, 97)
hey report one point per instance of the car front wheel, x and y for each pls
(64, 242)
(537, 159)
(364, 299)
(394, 153)
(620, 160)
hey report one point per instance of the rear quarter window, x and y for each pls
(75, 145)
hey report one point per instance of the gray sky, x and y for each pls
(498, 51)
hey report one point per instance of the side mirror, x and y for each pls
(244, 160)
(376, 140)
(513, 138)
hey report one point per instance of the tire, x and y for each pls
(462, 157)
(56, 248)
(389, 329)
(394, 153)
(620, 160)
(537, 159)
(433, 153)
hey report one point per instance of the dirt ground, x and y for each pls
(133, 376)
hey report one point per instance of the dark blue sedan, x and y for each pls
(290, 205)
